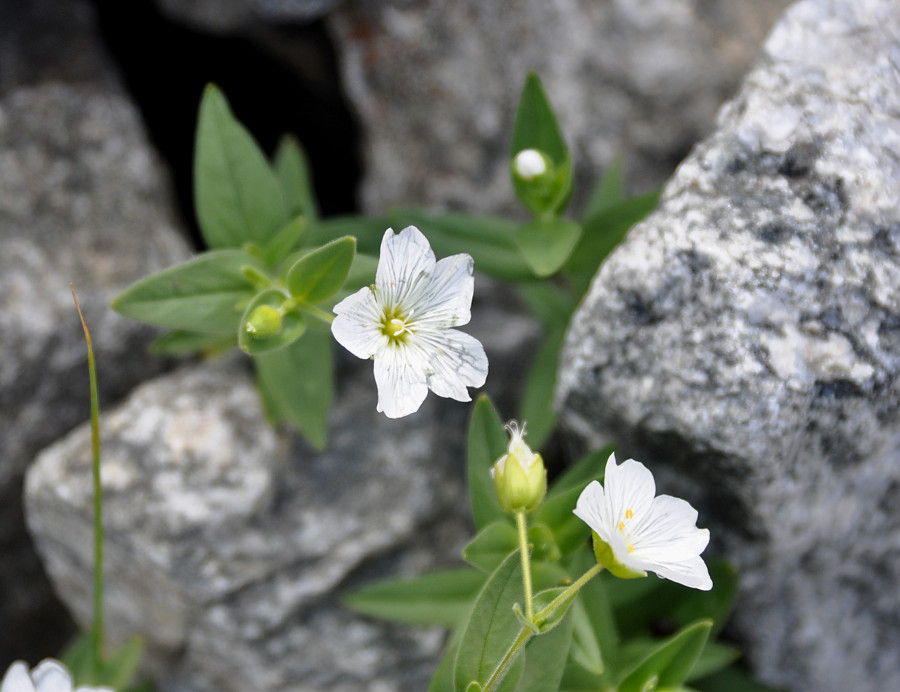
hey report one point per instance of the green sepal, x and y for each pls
(547, 243)
(307, 366)
(606, 557)
(437, 598)
(670, 662)
(320, 274)
(486, 443)
(201, 295)
(290, 324)
(237, 195)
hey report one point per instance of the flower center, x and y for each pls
(629, 515)
(395, 328)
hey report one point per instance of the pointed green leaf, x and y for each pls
(540, 390)
(544, 598)
(714, 658)
(547, 243)
(284, 241)
(491, 545)
(544, 547)
(368, 231)
(292, 168)
(536, 126)
(78, 657)
(671, 661)
(734, 679)
(569, 531)
(180, 342)
(487, 443)
(297, 384)
(237, 196)
(284, 326)
(206, 294)
(595, 633)
(491, 629)
(491, 241)
(609, 190)
(545, 659)
(589, 468)
(439, 598)
(577, 679)
(321, 273)
(442, 680)
(119, 670)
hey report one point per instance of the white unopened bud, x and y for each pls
(529, 164)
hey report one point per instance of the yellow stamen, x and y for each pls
(631, 549)
(629, 514)
(621, 526)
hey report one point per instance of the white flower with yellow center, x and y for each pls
(49, 676)
(636, 533)
(404, 323)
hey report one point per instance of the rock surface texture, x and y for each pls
(745, 339)
(437, 84)
(228, 544)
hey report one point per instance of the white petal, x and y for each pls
(357, 326)
(669, 531)
(406, 260)
(445, 300)
(17, 679)
(629, 486)
(692, 573)
(590, 508)
(400, 378)
(52, 676)
(456, 361)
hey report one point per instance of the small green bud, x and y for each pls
(530, 164)
(519, 475)
(265, 321)
(606, 557)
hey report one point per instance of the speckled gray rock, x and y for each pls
(82, 200)
(436, 85)
(745, 341)
(228, 543)
(244, 16)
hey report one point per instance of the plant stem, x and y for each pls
(97, 629)
(318, 312)
(570, 592)
(506, 662)
(526, 564)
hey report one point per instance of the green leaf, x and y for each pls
(439, 598)
(237, 196)
(180, 342)
(119, 670)
(547, 243)
(297, 384)
(601, 233)
(321, 273)
(715, 657)
(491, 629)
(545, 659)
(578, 679)
(368, 231)
(487, 443)
(551, 304)
(292, 168)
(204, 294)
(491, 241)
(284, 241)
(536, 405)
(536, 126)
(589, 468)
(569, 531)
(543, 542)
(491, 545)
(78, 657)
(734, 679)
(596, 639)
(442, 680)
(286, 325)
(544, 598)
(609, 190)
(671, 661)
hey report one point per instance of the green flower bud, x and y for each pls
(265, 321)
(607, 558)
(519, 475)
(530, 164)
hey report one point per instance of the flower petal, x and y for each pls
(406, 260)
(400, 378)
(629, 486)
(445, 300)
(456, 361)
(669, 532)
(17, 679)
(357, 326)
(692, 573)
(591, 508)
(52, 676)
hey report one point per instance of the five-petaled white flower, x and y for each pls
(404, 323)
(49, 676)
(635, 532)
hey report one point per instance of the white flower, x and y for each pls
(404, 323)
(635, 532)
(529, 164)
(49, 676)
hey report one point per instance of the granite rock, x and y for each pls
(744, 342)
(244, 16)
(229, 544)
(436, 85)
(82, 200)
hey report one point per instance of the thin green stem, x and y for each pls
(569, 593)
(97, 629)
(318, 312)
(506, 662)
(526, 564)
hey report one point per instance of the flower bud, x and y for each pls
(265, 321)
(529, 164)
(519, 475)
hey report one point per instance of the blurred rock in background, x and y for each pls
(746, 338)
